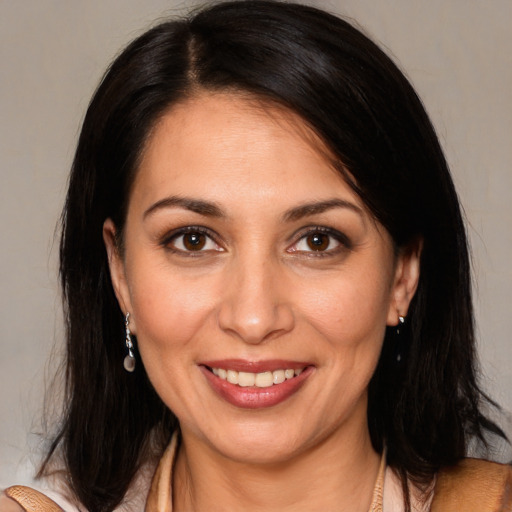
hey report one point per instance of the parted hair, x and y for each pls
(424, 398)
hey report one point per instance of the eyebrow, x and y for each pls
(317, 207)
(205, 208)
(209, 209)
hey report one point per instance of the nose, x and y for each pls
(254, 306)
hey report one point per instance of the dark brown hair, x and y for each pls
(424, 408)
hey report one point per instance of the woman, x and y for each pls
(265, 268)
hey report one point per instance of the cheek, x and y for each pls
(168, 310)
(349, 309)
(171, 314)
(349, 315)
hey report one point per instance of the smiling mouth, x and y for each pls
(256, 384)
(260, 380)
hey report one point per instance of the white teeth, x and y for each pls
(232, 376)
(278, 376)
(264, 380)
(289, 374)
(260, 380)
(245, 379)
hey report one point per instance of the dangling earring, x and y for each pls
(401, 322)
(129, 360)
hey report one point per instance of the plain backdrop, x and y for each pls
(457, 53)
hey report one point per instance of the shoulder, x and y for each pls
(474, 485)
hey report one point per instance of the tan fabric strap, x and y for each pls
(31, 500)
(160, 492)
(378, 490)
(474, 486)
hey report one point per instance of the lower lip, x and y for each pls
(254, 397)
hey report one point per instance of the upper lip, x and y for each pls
(268, 365)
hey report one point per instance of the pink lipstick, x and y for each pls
(256, 384)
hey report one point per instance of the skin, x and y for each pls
(9, 505)
(258, 291)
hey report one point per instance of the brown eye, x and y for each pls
(318, 241)
(191, 240)
(321, 241)
(194, 241)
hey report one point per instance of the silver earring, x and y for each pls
(129, 360)
(401, 322)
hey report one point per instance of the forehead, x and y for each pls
(229, 144)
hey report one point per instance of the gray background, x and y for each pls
(458, 54)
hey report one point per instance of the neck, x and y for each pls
(336, 474)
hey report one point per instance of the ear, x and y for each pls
(407, 275)
(117, 267)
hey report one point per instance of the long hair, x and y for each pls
(426, 407)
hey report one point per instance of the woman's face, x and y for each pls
(248, 258)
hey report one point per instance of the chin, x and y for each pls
(259, 444)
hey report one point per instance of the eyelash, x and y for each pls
(340, 238)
